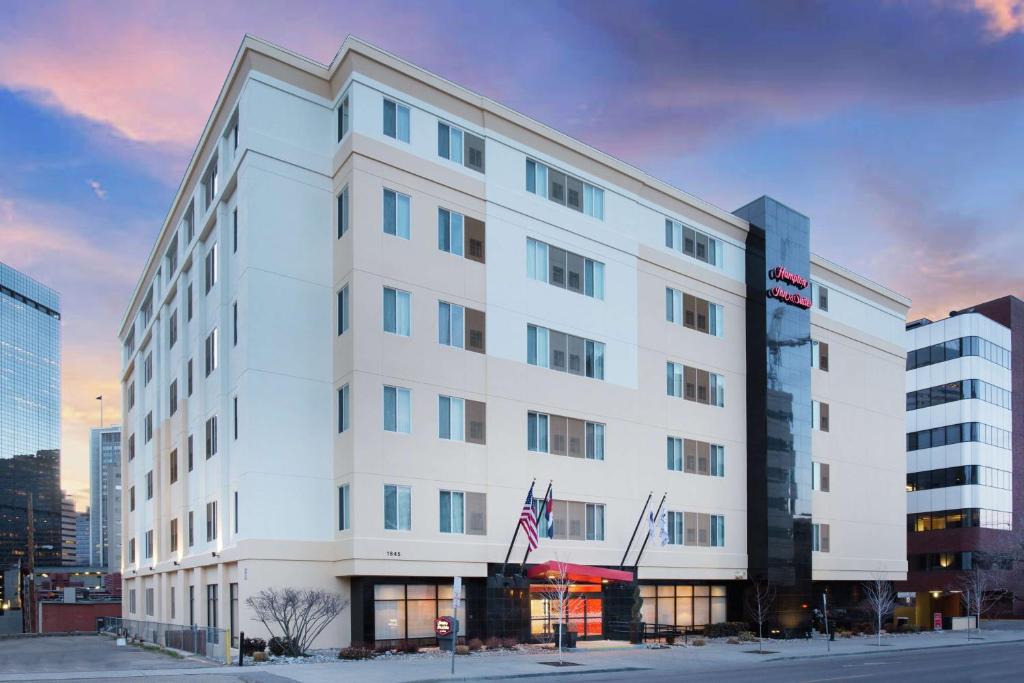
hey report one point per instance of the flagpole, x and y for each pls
(648, 536)
(635, 529)
(543, 510)
(514, 536)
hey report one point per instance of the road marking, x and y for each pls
(837, 678)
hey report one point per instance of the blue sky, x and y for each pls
(897, 126)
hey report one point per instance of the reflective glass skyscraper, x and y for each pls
(29, 415)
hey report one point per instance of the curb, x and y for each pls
(539, 674)
(898, 650)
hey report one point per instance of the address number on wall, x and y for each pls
(394, 553)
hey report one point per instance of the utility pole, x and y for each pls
(29, 613)
(100, 399)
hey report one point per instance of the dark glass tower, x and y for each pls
(779, 406)
(29, 417)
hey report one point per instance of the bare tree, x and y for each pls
(299, 615)
(978, 592)
(880, 597)
(557, 590)
(759, 606)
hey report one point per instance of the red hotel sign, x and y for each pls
(780, 274)
(443, 626)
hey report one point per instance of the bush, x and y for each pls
(280, 646)
(726, 629)
(462, 649)
(509, 643)
(747, 637)
(909, 628)
(733, 641)
(382, 650)
(251, 646)
(475, 644)
(355, 653)
(493, 643)
(408, 647)
(698, 642)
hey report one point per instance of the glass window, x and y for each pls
(396, 120)
(595, 441)
(595, 522)
(453, 512)
(344, 519)
(537, 432)
(397, 313)
(450, 232)
(397, 410)
(451, 324)
(344, 412)
(537, 347)
(451, 421)
(674, 453)
(343, 310)
(397, 508)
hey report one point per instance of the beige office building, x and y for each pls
(381, 306)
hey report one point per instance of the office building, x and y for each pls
(965, 450)
(105, 497)
(381, 306)
(82, 539)
(68, 531)
(29, 417)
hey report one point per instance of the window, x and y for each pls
(397, 312)
(694, 385)
(174, 465)
(131, 593)
(460, 146)
(537, 432)
(211, 521)
(212, 351)
(234, 323)
(396, 120)
(210, 187)
(819, 355)
(172, 330)
(594, 449)
(211, 605)
(172, 603)
(561, 435)
(564, 189)
(961, 475)
(820, 538)
(189, 376)
(191, 452)
(233, 613)
(131, 499)
(717, 460)
(451, 324)
(819, 415)
(131, 394)
(344, 116)
(343, 310)
(147, 545)
(131, 555)
(147, 369)
(343, 211)
(174, 397)
(674, 453)
(595, 522)
(131, 447)
(211, 437)
(344, 502)
(564, 269)
(172, 257)
(174, 535)
(148, 433)
(959, 391)
(717, 531)
(958, 433)
(234, 410)
(819, 295)
(189, 302)
(674, 377)
(234, 231)
(451, 418)
(210, 267)
(957, 348)
(149, 485)
(190, 223)
(396, 214)
(450, 231)
(397, 410)
(819, 476)
(191, 529)
(191, 605)
(453, 512)
(693, 312)
(344, 413)
(397, 508)
(568, 353)
(235, 499)
(693, 243)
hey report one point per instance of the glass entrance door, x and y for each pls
(583, 611)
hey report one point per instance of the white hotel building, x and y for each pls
(381, 305)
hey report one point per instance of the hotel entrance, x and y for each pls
(584, 600)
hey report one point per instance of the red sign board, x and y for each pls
(937, 621)
(443, 626)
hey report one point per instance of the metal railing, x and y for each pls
(203, 641)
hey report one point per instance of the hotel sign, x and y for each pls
(780, 274)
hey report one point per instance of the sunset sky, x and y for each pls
(897, 126)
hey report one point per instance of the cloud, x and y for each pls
(97, 189)
(1004, 16)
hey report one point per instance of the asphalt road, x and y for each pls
(997, 662)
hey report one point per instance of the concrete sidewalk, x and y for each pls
(717, 655)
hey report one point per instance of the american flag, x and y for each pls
(528, 521)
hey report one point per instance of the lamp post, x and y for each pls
(100, 399)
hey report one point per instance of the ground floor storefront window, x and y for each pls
(683, 605)
(407, 611)
(583, 611)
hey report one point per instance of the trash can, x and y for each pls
(568, 637)
(100, 623)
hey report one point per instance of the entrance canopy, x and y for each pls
(580, 573)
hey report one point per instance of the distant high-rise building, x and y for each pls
(29, 417)
(82, 555)
(68, 531)
(105, 497)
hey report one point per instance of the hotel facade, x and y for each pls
(381, 306)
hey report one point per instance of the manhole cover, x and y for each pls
(559, 663)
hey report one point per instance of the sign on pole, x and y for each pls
(443, 626)
(937, 621)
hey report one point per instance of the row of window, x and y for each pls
(560, 435)
(958, 433)
(453, 143)
(958, 391)
(696, 529)
(564, 269)
(211, 532)
(695, 457)
(693, 242)
(693, 312)
(958, 348)
(457, 326)
(959, 519)
(957, 561)
(961, 475)
(564, 352)
(683, 381)
(562, 188)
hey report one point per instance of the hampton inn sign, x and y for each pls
(780, 274)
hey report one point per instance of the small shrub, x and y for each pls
(698, 642)
(509, 643)
(909, 628)
(279, 646)
(251, 646)
(355, 653)
(725, 629)
(747, 637)
(408, 647)
(493, 643)
(260, 656)
(733, 641)
(462, 649)
(382, 650)
(475, 644)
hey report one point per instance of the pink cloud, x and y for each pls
(1003, 17)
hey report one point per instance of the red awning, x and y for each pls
(581, 573)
